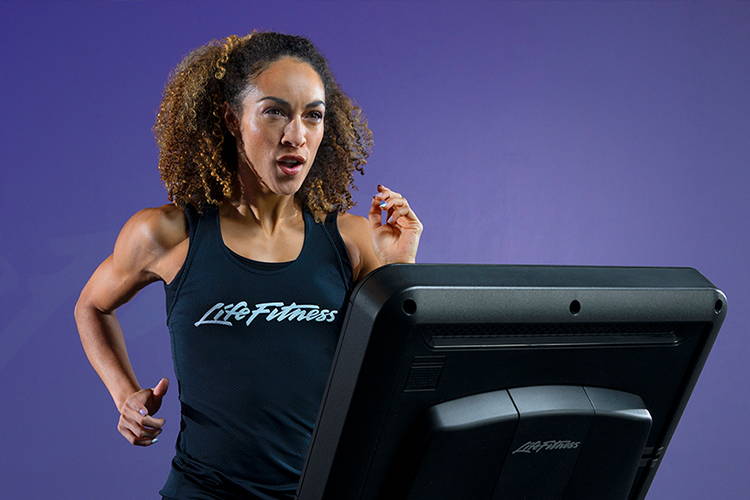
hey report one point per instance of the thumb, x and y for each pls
(161, 388)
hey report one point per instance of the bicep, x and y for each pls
(127, 270)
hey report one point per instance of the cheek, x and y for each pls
(316, 136)
(255, 129)
(259, 136)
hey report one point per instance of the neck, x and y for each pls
(256, 203)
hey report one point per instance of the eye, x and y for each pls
(269, 110)
(317, 114)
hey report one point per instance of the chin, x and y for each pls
(290, 188)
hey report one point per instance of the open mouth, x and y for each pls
(290, 167)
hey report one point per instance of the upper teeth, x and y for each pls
(290, 161)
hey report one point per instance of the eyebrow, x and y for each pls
(283, 102)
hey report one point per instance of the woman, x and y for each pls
(257, 255)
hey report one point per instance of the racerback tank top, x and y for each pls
(252, 345)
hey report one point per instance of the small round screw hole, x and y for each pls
(575, 307)
(409, 306)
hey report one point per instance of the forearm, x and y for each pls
(104, 345)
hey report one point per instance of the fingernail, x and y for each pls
(143, 412)
(154, 440)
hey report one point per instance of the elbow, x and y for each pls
(82, 305)
(78, 308)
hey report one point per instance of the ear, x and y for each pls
(230, 119)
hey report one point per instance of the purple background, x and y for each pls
(585, 133)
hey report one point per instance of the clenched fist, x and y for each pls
(136, 422)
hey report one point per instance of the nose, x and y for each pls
(294, 133)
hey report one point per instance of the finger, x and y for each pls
(139, 431)
(135, 411)
(126, 429)
(146, 431)
(398, 213)
(134, 440)
(149, 434)
(391, 205)
(401, 208)
(386, 191)
(142, 417)
(131, 427)
(161, 389)
(375, 215)
(143, 420)
(157, 423)
(376, 206)
(383, 195)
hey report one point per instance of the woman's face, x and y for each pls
(282, 114)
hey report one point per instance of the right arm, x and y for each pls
(138, 248)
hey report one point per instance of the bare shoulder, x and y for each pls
(137, 258)
(148, 236)
(352, 223)
(169, 225)
(157, 228)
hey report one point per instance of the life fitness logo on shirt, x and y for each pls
(221, 314)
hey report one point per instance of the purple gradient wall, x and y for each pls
(589, 133)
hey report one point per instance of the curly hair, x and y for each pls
(197, 153)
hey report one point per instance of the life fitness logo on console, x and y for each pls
(225, 314)
(537, 446)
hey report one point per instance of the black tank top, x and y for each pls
(252, 345)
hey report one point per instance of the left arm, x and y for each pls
(374, 244)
